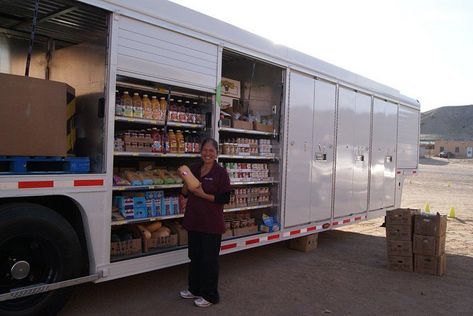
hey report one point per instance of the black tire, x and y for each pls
(44, 239)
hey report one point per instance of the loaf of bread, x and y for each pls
(186, 174)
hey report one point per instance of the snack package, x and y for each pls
(186, 174)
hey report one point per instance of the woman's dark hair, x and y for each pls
(211, 141)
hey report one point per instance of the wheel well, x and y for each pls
(69, 210)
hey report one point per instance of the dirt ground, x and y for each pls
(346, 275)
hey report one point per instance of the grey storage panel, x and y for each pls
(383, 162)
(299, 142)
(351, 181)
(153, 53)
(361, 134)
(390, 159)
(408, 138)
(323, 151)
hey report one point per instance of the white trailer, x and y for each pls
(342, 143)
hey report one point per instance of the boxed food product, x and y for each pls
(430, 264)
(231, 88)
(263, 127)
(401, 216)
(36, 117)
(400, 263)
(429, 245)
(126, 247)
(305, 243)
(160, 242)
(242, 124)
(430, 224)
(399, 248)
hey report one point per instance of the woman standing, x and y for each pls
(204, 223)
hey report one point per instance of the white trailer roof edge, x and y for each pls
(212, 29)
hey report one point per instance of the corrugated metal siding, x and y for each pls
(166, 56)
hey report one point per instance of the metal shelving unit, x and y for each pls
(245, 131)
(146, 187)
(148, 154)
(248, 157)
(144, 220)
(247, 208)
(157, 123)
(252, 182)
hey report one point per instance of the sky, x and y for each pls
(423, 48)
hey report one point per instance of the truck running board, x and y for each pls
(41, 287)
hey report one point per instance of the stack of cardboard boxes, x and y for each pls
(416, 241)
(429, 244)
(399, 230)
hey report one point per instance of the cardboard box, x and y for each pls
(245, 230)
(400, 263)
(306, 243)
(181, 233)
(242, 124)
(399, 232)
(430, 225)
(429, 245)
(430, 264)
(231, 88)
(227, 103)
(399, 248)
(401, 216)
(227, 234)
(127, 247)
(262, 127)
(36, 117)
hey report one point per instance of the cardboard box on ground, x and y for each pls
(399, 230)
(36, 117)
(306, 243)
(429, 244)
(416, 241)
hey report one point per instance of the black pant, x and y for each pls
(204, 251)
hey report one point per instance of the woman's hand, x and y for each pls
(199, 192)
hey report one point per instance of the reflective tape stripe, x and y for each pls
(273, 237)
(63, 184)
(252, 241)
(295, 232)
(346, 221)
(83, 183)
(9, 186)
(35, 184)
(228, 246)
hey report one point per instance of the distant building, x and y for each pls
(458, 148)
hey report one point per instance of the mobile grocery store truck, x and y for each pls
(119, 96)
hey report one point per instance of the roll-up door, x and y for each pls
(153, 53)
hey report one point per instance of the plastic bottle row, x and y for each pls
(155, 140)
(184, 111)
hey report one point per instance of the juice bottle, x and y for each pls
(196, 141)
(198, 113)
(182, 112)
(147, 107)
(157, 141)
(127, 104)
(181, 147)
(188, 142)
(177, 107)
(118, 104)
(137, 106)
(163, 105)
(156, 108)
(164, 141)
(172, 142)
(191, 115)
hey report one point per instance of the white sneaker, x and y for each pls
(187, 294)
(202, 302)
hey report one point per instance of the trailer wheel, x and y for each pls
(37, 246)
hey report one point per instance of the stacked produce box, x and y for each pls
(429, 243)
(399, 230)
